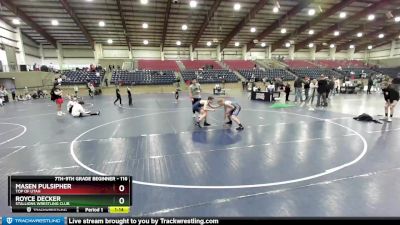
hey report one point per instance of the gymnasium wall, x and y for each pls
(8, 46)
(29, 79)
(205, 53)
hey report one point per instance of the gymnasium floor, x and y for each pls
(287, 162)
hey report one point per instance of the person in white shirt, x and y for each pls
(71, 104)
(79, 111)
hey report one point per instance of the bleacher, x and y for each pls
(300, 64)
(268, 73)
(166, 65)
(356, 71)
(315, 72)
(197, 64)
(141, 77)
(333, 64)
(210, 76)
(392, 72)
(82, 77)
(239, 64)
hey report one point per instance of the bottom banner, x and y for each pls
(138, 221)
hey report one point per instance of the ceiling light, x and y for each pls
(145, 25)
(283, 30)
(263, 44)
(54, 22)
(253, 29)
(311, 12)
(397, 19)
(16, 21)
(102, 24)
(237, 44)
(351, 46)
(275, 9)
(184, 27)
(381, 36)
(145, 42)
(359, 34)
(336, 33)
(144, 2)
(342, 15)
(236, 6)
(208, 43)
(331, 45)
(287, 45)
(109, 41)
(311, 32)
(193, 4)
(178, 43)
(311, 45)
(370, 47)
(371, 17)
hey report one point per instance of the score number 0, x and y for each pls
(121, 200)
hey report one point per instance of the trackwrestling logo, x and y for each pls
(33, 220)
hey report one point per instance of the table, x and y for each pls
(263, 96)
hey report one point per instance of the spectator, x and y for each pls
(298, 85)
(306, 88)
(76, 90)
(322, 89)
(313, 88)
(13, 94)
(287, 91)
(370, 83)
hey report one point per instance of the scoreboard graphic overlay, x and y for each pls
(75, 194)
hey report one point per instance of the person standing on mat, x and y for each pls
(177, 95)
(56, 95)
(322, 90)
(118, 96)
(195, 96)
(298, 85)
(370, 83)
(306, 88)
(391, 96)
(287, 91)
(232, 110)
(128, 90)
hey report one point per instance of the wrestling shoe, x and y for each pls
(240, 128)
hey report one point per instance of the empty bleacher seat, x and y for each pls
(356, 71)
(267, 73)
(333, 64)
(82, 77)
(142, 77)
(210, 76)
(239, 64)
(296, 64)
(392, 72)
(315, 72)
(197, 64)
(166, 65)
